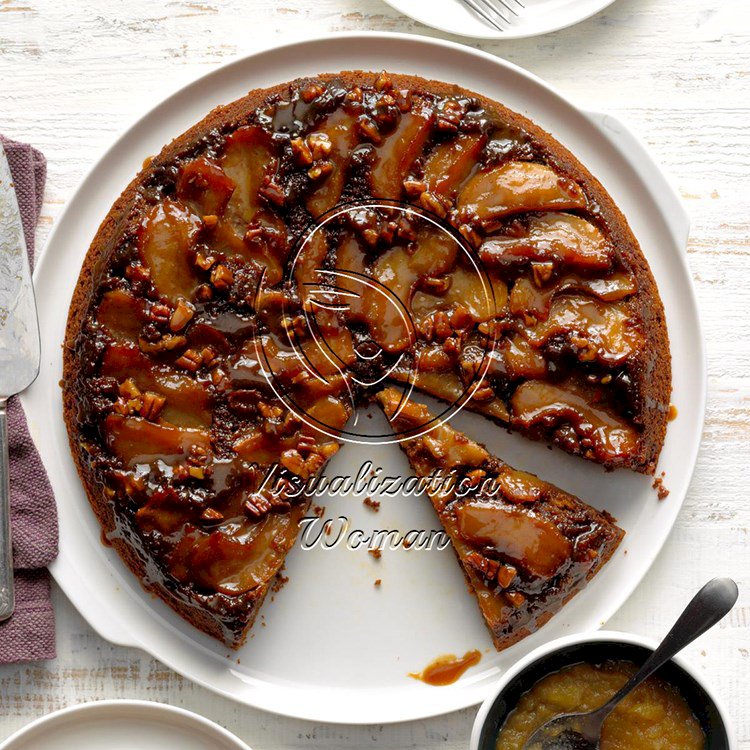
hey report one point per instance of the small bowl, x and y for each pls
(596, 648)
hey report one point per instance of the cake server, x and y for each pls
(19, 353)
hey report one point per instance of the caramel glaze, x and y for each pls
(445, 670)
(165, 399)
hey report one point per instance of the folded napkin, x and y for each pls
(29, 635)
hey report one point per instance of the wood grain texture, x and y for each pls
(74, 74)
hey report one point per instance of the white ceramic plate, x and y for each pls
(334, 648)
(538, 17)
(123, 725)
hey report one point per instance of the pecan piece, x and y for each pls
(222, 277)
(151, 405)
(181, 316)
(488, 568)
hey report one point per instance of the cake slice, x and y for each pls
(526, 547)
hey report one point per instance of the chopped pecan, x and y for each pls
(516, 598)
(301, 152)
(435, 203)
(268, 411)
(204, 293)
(166, 343)
(414, 187)
(383, 82)
(256, 506)
(151, 405)
(272, 192)
(210, 221)
(204, 262)
(436, 284)
(505, 575)
(211, 514)
(320, 145)
(367, 128)
(222, 277)
(190, 359)
(137, 272)
(319, 170)
(488, 568)
(181, 316)
(542, 272)
(159, 313)
(312, 91)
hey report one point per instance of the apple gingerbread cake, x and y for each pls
(273, 266)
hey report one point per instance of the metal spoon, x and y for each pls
(582, 731)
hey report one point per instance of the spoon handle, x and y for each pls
(708, 606)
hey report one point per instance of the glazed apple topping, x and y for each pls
(487, 277)
(517, 187)
(594, 428)
(550, 237)
(529, 542)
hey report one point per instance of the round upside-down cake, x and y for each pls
(520, 292)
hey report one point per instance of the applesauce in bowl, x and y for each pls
(654, 716)
(676, 681)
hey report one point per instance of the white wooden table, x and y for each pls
(75, 73)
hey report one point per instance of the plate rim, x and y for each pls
(499, 36)
(94, 706)
(469, 695)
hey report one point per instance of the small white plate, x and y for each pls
(538, 17)
(123, 725)
(334, 647)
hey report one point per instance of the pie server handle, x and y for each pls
(7, 594)
(654, 180)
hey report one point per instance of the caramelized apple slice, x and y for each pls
(399, 151)
(308, 261)
(539, 405)
(244, 561)
(137, 441)
(122, 314)
(164, 511)
(521, 360)
(532, 543)
(247, 158)
(204, 186)
(551, 237)
(165, 242)
(516, 187)
(399, 270)
(339, 127)
(600, 331)
(187, 401)
(469, 289)
(526, 298)
(330, 350)
(266, 355)
(448, 387)
(257, 447)
(266, 251)
(450, 163)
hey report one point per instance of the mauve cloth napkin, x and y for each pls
(29, 635)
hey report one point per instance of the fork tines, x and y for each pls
(495, 12)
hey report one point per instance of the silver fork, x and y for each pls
(490, 11)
